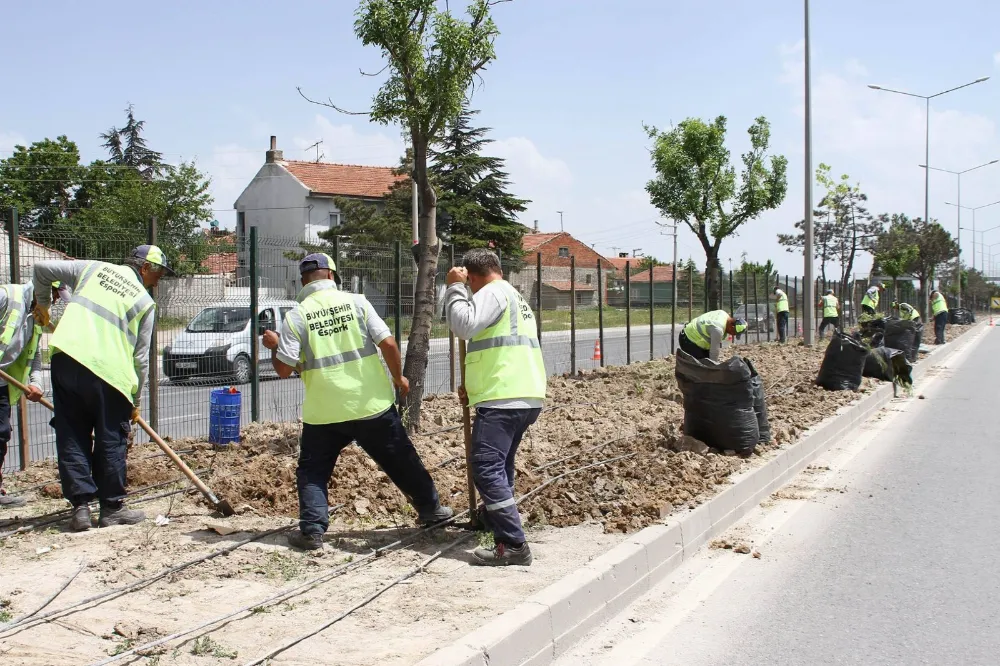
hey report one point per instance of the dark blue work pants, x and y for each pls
(4, 426)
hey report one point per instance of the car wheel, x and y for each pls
(241, 369)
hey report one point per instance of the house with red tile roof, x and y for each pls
(557, 251)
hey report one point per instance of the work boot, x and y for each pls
(111, 516)
(305, 541)
(502, 555)
(435, 515)
(80, 522)
(9, 501)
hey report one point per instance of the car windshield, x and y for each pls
(755, 311)
(220, 320)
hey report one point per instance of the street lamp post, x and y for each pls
(809, 301)
(982, 233)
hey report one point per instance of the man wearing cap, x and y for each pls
(781, 312)
(702, 338)
(939, 310)
(332, 338)
(100, 360)
(869, 303)
(21, 358)
(831, 312)
(907, 312)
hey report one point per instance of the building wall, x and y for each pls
(525, 282)
(30, 254)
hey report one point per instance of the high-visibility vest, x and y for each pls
(782, 304)
(938, 305)
(871, 298)
(908, 311)
(699, 331)
(17, 313)
(342, 371)
(830, 305)
(100, 326)
(504, 361)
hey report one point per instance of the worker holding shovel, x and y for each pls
(20, 357)
(100, 360)
(505, 382)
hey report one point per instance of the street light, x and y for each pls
(807, 250)
(982, 243)
(960, 207)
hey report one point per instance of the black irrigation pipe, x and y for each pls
(544, 411)
(49, 600)
(139, 584)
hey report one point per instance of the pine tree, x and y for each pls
(127, 147)
(478, 210)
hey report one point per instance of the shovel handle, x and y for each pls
(181, 465)
(24, 389)
(467, 432)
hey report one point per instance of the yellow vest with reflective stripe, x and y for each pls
(698, 331)
(871, 299)
(782, 304)
(342, 371)
(908, 312)
(938, 305)
(830, 305)
(20, 369)
(504, 361)
(100, 326)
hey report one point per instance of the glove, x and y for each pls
(135, 414)
(41, 314)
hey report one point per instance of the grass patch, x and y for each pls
(126, 645)
(484, 539)
(205, 646)
(279, 565)
(6, 614)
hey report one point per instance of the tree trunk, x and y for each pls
(712, 285)
(418, 344)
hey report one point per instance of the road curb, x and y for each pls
(544, 626)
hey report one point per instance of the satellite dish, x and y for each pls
(214, 224)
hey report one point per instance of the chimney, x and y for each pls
(273, 155)
(536, 226)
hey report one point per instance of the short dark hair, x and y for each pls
(481, 262)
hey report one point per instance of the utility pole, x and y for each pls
(809, 300)
(560, 220)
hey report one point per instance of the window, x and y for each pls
(265, 320)
(241, 226)
(584, 298)
(564, 252)
(587, 278)
(334, 220)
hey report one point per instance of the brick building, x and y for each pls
(556, 250)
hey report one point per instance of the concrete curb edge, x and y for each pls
(544, 626)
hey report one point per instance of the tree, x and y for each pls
(127, 147)
(696, 184)
(934, 247)
(854, 228)
(479, 212)
(40, 181)
(895, 254)
(823, 239)
(433, 59)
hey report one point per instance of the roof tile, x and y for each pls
(347, 180)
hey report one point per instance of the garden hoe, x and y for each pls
(467, 430)
(223, 507)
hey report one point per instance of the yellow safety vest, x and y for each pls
(782, 303)
(908, 312)
(871, 299)
(830, 305)
(504, 361)
(342, 371)
(938, 305)
(20, 369)
(100, 327)
(698, 331)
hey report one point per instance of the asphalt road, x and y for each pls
(184, 407)
(893, 560)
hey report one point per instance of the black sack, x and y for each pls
(759, 404)
(918, 336)
(888, 365)
(961, 316)
(718, 402)
(901, 334)
(842, 364)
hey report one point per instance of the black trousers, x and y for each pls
(940, 322)
(85, 404)
(782, 326)
(867, 309)
(691, 348)
(4, 426)
(828, 321)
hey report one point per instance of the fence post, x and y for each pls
(154, 348)
(572, 315)
(23, 436)
(786, 294)
(397, 271)
(254, 347)
(651, 310)
(538, 296)
(795, 304)
(673, 310)
(732, 295)
(767, 303)
(690, 293)
(628, 314)
(600, 311)
(451, 336)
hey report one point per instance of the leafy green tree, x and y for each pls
(433, 59)
(127, 147)
(895, 254)
(696, 184)
(40, 181)
(934, 245)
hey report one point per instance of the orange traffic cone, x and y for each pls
(597, 350)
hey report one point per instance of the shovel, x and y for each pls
(467, 431)
(223, 507)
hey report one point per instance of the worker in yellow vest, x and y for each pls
(702, 338)
(332, 338)
(869, 302)
(21, 358)
(906, 311)
(939, 310)
(100, 361)
(781, 313)
(831, 312)
(505, 381)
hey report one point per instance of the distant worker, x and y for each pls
(505, 381)
(939, 310)
(869, 303)
(21, 358)
(781, 312)
(831, 312)
(907, 312)
(332, 339)
(100, 361)
(702, 338)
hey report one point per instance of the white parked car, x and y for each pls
(216, 343)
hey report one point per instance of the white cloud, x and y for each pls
(346, 145)
(546, 181)
(7, 142)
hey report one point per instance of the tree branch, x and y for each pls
(364, 73)
(329, 103)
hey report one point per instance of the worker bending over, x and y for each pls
(907, 312)
(505, 382)
(21, 358)
(831, 312)
(939, 310)
(332, 338)
(702, 338)
(781, 313)
(100, 360)
(869, 303)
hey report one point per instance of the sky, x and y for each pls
(573, 84)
